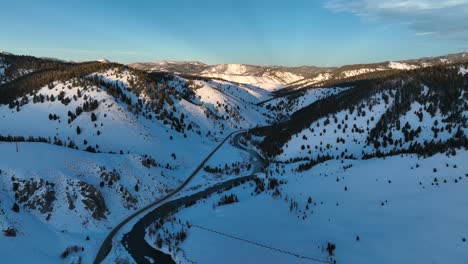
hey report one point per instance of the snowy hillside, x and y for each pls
(104, 162)
(343, 185)
(291, 103)
(13, 67)
(401, 66)
(54, 185)
(366, 71)
(269, 78)
(379, 210)
(273, 78)
(391, 116)
(100, 140)
(176, 67)
(7, 75)
(97, 147)
(69, 197)
(190, 107)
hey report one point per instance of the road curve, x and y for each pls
(106, 245)
(134, 241)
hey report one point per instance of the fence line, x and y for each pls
(263, 245)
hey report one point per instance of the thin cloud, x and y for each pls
(421, 34)
(442, 18)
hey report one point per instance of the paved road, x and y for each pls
(134, 241)
(106, 245)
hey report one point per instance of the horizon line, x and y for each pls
(212, 64)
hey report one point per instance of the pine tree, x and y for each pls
(15, 208)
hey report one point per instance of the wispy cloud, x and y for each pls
(422, 34)
(442, 18)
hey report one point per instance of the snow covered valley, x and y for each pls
(400, 209)
(101, 162)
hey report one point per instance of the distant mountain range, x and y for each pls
(200, 68)
(268, 77)
(272, 78)
(295, 77)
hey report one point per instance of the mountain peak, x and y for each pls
(166, 62)
(5, 52)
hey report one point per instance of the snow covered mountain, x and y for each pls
(13, 67)
(410, 111)
(356, 176)
(267, 77)
(177, 67)
(366, 71)
(360, 160)
(275, 78)
(115, 139)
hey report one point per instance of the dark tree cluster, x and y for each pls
(232, 169)
(446, 93)
(228, 199)
(27, 85)
(71, 250)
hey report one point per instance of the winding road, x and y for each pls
(134, 241)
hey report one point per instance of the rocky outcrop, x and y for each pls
(34, 194)
(93, 200)
(129, 202)
(109, 177)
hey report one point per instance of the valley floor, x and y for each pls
(399, 209)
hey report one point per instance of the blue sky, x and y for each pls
(293, 32)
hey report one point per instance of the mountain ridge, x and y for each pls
(279, 77)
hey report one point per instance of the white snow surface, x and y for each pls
(320, 77)
(289, 105)
(319, 139)
(463, 71)
(356, 72)
(396, 207)
(401, 207)
(401, 66)
(352, 127)
(268, 83)
(119, 130)
(65, 168)
(269, 80)
(125, 139)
